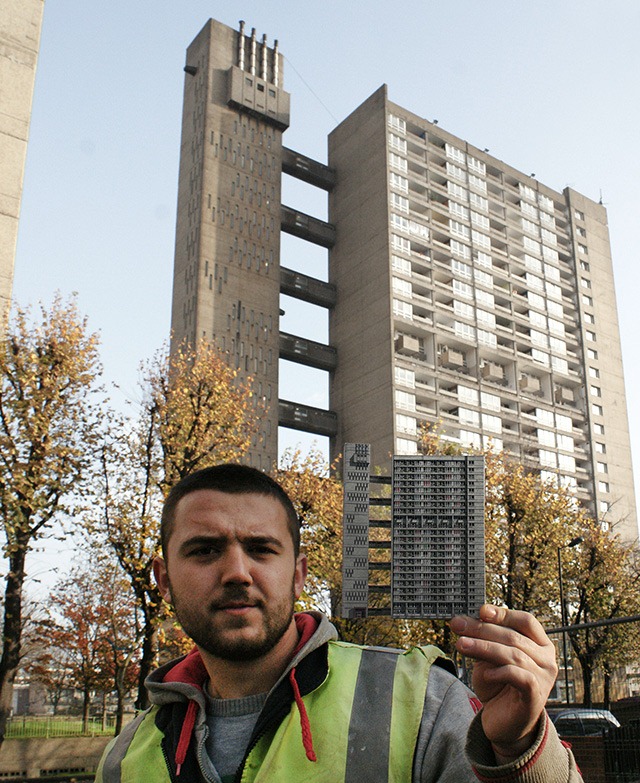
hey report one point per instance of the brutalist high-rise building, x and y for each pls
(460, 291)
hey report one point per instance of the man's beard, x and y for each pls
(220, 641)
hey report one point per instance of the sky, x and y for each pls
(551, 87)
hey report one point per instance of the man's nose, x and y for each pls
(236, 566)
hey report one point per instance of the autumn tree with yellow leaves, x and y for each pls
(48, 430)
(195, 412)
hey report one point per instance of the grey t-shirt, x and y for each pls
(230, 723)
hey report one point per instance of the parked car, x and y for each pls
(581, 721)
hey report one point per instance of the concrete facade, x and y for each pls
(460, 291)
(485, 301)
(20, 24)
(227, 258)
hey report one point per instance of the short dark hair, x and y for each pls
(232, 479)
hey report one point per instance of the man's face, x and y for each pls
(231, 573)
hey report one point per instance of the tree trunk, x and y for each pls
(587, 676)
(607, 689)
(12, 633)
(146, 665)
(86, 703)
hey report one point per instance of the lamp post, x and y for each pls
(563, 614)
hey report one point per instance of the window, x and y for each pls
(477, 165)
(545, 202)
(527, 225)
(565, 442)
(468, 417)
(402, 287)
(540, 356)
(557, 345)
(404, 446)
(596, 391)
(526, 191)
(580, 231)
(528, 209)
(484, 259)
(591, 354)
(458, 249)
(487, 338)
(454, 153)
(554, 291)
(555, 309)
(566, 462)
(531, 245)
(587, 300)
(602, 467)
(594, 372)
(600, 448)
(401, 203)
(482, 221)
(462, 289)
(604, 507)
(583, 249)
(533, 264)
(550, 253)
(479, 202)
(402, 309)
(399, 182)
(458, 210)
(485, 298)
(491, 423)
(483, 278)
(465, 331)
(535, 300)
(406, 424)
(549, 236)
(402, 265)
(548, 458)
(560, 365)
(486, 318)
(405, 400)
(544, 417)
(603, 486)
(400, 243)
(480, 240)
(598, 429)
(399, 222)
(396, 143)
(397, 123)
(460, 268)
(405, 377)
(584, 265)
(597, 410)
(459, 229)
(453, 189)
(538, 338)
(467, 395)
(564, 423)
(477, 183)
(397, 162)
(552, 272)
(546, 438)
(534, 282)
(456, 172)
(585, 283)
(557, 327)
(462, 309)
(490, 402)
(578, 214)
(590, 336)
(537, 319)
(589, 318)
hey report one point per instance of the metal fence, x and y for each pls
(25, 726)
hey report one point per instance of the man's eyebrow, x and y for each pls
(262, 540)
(201, 541)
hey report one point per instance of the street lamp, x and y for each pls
(563, 614)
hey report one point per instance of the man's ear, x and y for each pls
(162, 577)
(300, 576)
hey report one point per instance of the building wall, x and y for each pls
(20, 24)
(227, 257)
(469, 281)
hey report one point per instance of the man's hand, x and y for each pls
(514, 671)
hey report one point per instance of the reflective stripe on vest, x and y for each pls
(135, 754)
(365, 720)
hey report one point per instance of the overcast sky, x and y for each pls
(551, 87)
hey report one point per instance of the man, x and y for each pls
(267, 695)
